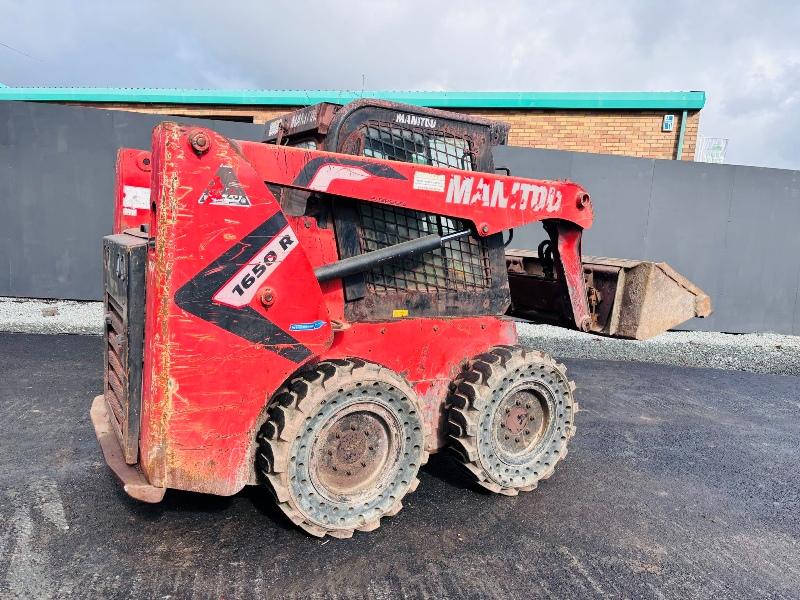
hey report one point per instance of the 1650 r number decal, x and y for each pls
(240, 289)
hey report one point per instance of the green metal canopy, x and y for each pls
(694, 100)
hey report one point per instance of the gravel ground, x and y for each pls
(755, 352)
(758, 352)
(23, 315)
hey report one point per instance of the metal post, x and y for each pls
(681, 133)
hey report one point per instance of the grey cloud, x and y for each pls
(746, 55)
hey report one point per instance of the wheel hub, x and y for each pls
(353, 450)
(516, 419)
(523, 419)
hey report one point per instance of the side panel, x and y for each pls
(233, 308)
(429, 353)
(132, 189)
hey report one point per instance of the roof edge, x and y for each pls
(693, 100)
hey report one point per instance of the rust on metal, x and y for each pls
(268, 297)
(199, 142)
(524, 417)
(353, 451)
(133, 481)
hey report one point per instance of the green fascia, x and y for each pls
(500, 100)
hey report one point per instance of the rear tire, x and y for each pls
(342, 445)
(512, 413)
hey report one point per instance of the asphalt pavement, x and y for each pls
(680, 482)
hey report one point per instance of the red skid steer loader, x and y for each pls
(319, 312)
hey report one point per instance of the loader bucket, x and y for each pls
(646, 298)
(632, 299)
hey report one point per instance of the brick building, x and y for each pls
(644, 124)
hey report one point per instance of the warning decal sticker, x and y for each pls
(428, 181)
(224, 189)
(134, 196)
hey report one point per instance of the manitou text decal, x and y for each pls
(240, 289)
(523, 196)
(415, 120)
(302, 118)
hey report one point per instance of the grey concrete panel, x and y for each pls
(534, 162)
(796, 320)
(689, 211)
(57, 192)
(620, 189)
(760, 290)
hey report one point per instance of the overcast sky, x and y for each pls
(745, 55)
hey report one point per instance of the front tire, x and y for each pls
(512, 414)
(342, 445)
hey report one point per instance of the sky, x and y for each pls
(744, 55)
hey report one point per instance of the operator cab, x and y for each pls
(467, 276)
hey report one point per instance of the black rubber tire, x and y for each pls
(479, 411)
(302, 416)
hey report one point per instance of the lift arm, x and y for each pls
(492, 203)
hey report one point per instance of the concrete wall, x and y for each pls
(730, 229)
(733, 230)
(57, 192)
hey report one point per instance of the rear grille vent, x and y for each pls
(125, 257)
(116, 356)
